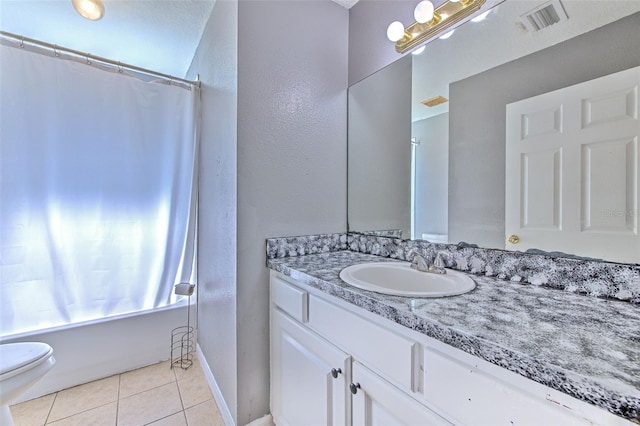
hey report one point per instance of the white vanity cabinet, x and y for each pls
(335, 364)
(314, 378)
(308, 376)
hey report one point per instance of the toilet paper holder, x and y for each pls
(184, 289)
(183, 337)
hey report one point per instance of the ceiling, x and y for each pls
(159, 35)
(162, 35)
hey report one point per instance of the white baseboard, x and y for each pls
(215, 389)
(265, 420)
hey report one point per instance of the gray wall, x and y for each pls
(216, 62)
(289, 128)
(369, 48)
(478, 117)
(379, 179)
(292, 129)
(432, 174)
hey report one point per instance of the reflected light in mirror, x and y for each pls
(480, 17)
(447, 35)
(419, 50)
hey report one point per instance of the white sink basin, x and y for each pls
(399, 279)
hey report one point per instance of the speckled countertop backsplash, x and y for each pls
(594, 278)
(586, 347)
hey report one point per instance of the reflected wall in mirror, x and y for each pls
(455, 188)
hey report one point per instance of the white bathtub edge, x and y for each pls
(105, 348)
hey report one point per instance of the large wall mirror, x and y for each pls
(428, 134)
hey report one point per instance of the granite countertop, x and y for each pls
(584, 346)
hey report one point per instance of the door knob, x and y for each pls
(335, 372)
(354, 387)
(514, 239)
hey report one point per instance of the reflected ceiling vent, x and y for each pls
(544, 16)
(436, 100)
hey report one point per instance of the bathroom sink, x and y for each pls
(399, 279)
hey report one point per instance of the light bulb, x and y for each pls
(447, 35)
(90, 9)
(423, 12)
(480, 17)
(419, 50)
(395, 31)
(454, 1)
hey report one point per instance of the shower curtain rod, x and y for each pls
(89, 56)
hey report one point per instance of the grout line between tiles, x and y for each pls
(46, 420)
(77, 413)
(118, 399)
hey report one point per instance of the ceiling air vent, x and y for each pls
(544, 16)
(436, 100)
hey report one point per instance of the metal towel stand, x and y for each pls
(182, 338)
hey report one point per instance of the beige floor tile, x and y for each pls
(145, 378)
(84, 397)
(149, 406)
(34, 412)
(194, 390)
(177, 419)
(101, 416)
(205, 414)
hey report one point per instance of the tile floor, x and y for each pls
(154, 395)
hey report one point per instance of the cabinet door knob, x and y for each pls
(335, 372)
(514, 239)
(354, 388)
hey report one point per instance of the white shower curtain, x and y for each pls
(97, 191)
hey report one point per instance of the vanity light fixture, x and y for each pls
(431, 22)
(90, 9)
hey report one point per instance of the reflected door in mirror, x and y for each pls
(572, 169)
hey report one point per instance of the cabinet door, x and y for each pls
(303, 389)
(377, 402)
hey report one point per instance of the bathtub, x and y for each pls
(101, 348)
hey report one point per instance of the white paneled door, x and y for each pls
(572, 170)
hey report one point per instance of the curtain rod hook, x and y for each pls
(55, 51)
(22, 41)
(120, 67)
(88, 59)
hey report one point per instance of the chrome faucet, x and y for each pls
(438, 263)
(437, 267)
(419, 263)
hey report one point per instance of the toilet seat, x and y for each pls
(17, 357)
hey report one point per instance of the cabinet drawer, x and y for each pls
(389, 354)
(290, 299)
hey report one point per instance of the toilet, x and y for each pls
(21, 365)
